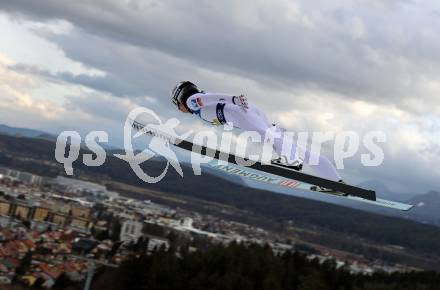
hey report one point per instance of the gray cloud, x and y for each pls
(354, 51)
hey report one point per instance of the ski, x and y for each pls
(291, 177)
(264, 177)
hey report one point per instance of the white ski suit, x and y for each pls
(219, 109)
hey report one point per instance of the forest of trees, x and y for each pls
(249, 267)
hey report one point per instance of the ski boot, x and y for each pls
(282, 161)
(327, 190)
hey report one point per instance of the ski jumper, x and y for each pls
(219, 109)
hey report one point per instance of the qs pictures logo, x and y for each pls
(69, 143)
(157, 146)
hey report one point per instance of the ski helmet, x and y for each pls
(182, 91)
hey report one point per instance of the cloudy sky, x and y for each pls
(312, 65)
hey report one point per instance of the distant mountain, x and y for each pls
(382, 191)
(427, 208)
(427, 200)
(24, 132)
(375, 185)
(31, 133)
(426, 205)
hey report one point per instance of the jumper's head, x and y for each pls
(181, 92)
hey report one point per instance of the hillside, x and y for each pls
(24, 132)
(37, 156)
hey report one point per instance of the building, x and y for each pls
(59, 219)
(22, 211)
(5, 207)
(157, 243)
(76, 186)
(80, 211)
(79, 223)
(131, 231)
(186, 222)
(41, 214)
(24, 177)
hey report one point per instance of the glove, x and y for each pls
(243, 103)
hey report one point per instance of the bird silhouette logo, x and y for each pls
(163, 136)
